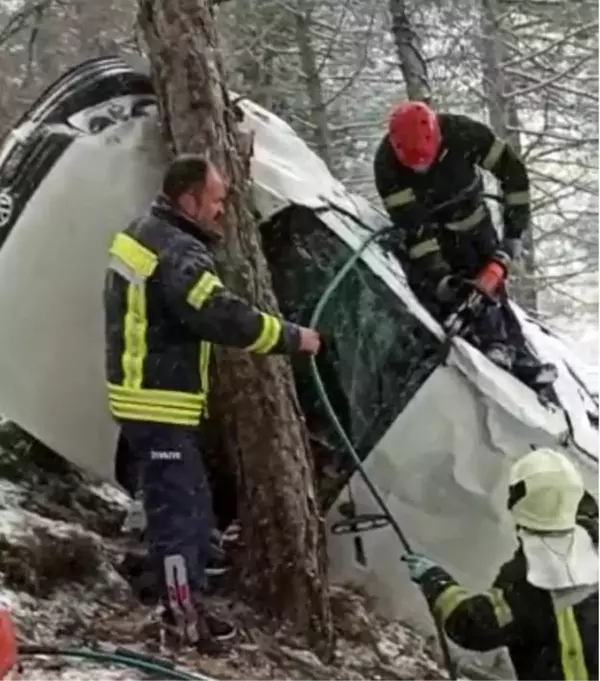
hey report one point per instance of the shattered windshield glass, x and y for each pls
(376, 355)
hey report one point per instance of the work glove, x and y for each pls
(417, 565)
(491, 278)
(449, 288)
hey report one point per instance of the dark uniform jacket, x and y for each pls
(164, 306)
(458, 238)
(546, 638)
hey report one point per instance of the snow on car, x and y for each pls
(435, 430)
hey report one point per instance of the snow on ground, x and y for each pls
(59, 543)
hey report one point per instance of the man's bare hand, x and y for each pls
(310, 340)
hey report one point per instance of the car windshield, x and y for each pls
(377, 353)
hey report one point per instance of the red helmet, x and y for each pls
(415, 136)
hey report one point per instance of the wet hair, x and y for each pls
(184, 172)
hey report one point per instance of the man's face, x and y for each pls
(206, 205)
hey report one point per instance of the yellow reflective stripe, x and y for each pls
(493, 154)
(447, 602)
(134, 335)
(182, 409)
(423, 248)
(502, 609)
(571, 647)
(137, 257)
(452, 597)
(469, 222)
(164, 406)
(517, 198)
(202, 289)
(269, 335)
(150, 396)
(135, 412)
(205, 349)
(399, 198)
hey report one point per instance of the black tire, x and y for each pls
(88, 84)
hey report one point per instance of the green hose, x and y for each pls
(316, 316)
(153, 666)
(165, 669)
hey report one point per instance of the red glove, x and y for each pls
(491, 277)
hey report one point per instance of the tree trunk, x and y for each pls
(312, 77)
(504, 118)
(260, 419)
(412, 64)
(261, 55)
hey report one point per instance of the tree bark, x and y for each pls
(504, 118)
(408, 49)
(314, 90)
(260, 421)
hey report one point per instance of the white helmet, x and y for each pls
(545, 489)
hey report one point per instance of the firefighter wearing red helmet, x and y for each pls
(427, 172)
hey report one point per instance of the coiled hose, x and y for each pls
(316, 316)
(152, 666)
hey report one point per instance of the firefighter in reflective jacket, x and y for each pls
(164, 307)
(543, 604)
(427, 174)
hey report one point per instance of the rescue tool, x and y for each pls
(481, 294)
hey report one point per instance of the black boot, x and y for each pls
(136, 570)
(546, 375)
(500, 355)
(205, 633)
(536, 375)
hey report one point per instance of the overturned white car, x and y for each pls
(436, 431)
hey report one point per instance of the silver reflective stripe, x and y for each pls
(517, 198)
(180, 596)
(464, 225)
(493, 154)
(472, 186)
(399, 198)
(424, 248)
(122, 268)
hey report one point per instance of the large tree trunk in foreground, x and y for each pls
(260, 419)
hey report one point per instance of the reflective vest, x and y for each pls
(158, 372)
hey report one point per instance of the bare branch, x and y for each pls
(543, 84)
(20, 19)
(512, 63)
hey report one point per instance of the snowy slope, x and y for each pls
(58, 542)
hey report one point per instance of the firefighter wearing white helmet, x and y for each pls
(545, 489)
(543, 605)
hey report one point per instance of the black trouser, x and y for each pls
(467, 254)
(497, 325)
(168, 463)
(127, 467)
